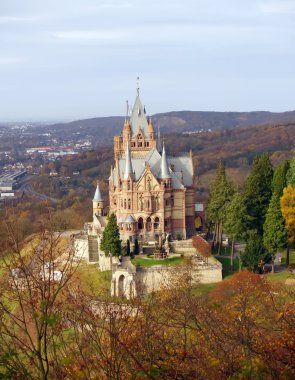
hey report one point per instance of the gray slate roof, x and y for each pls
(181, 176)
(138, 119)
(97, 195)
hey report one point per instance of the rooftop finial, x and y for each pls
(127, 109)
(137, 86)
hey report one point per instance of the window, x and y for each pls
(172, 200)
(125, 204)
(128, 185)
(148, 224)
(156, 223)
(129, 204)
(140, 224)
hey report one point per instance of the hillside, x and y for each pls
(102, 129)
(237, 147)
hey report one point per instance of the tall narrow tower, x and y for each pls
(98, 203)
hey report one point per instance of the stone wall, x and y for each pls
(81, 248)
(128, 280)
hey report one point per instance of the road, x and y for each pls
(28, 189)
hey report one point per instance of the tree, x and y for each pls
(236, 221)
(254, 255)
(34, 284)
(110, 242)
(128, 248)
(136, 247)
(274, 231)
(291, 172)
(288, 212)
(258, 191)
(220, 194)
(279, 181)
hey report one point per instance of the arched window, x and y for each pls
(129, 204)
(140, 223)
(156, 223)
(128, 185)
(125, 204)
(148, 224)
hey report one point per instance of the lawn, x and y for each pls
(292, 257)
(226, 266)
(93, 281)
(148, 262)
(280, 277)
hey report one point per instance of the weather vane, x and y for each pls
(137, 89)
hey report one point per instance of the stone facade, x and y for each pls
(150, 193)
(130, 281)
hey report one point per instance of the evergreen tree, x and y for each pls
(128, 248)
(279, 181)
(110, 242)
(220, 194)
(236, 221)
(258, 191)
(136, 247)
(254, 255)
(291, 172)
(274, 230)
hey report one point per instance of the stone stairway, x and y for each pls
(93, 249)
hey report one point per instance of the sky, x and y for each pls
(74, 59)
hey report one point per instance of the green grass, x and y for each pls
(93, 281)
(280, 277)
(204, 289)
(292, 257)
(226, 266)
(147, 262)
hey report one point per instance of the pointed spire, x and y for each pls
(128, 163)
(164, 165)
(97, 195)
(159, 145)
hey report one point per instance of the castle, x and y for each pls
(150, 193)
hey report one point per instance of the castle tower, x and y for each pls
(98, 203)
(137, 131)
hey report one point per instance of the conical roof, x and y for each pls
(128, 164)
(97, 195)
(164, 165)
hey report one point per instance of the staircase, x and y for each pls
(93, 249)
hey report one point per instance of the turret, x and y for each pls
(126, 131)
(164, 173)
(98, 203)
(151, 131)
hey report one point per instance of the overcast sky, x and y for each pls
(69, 59)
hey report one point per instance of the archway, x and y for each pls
(140, 223)
(156, 223)
(148, 224)
(121, 286)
